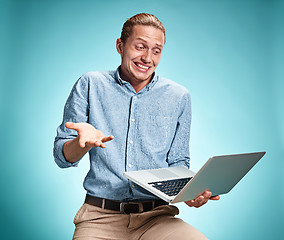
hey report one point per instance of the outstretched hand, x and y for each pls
(88, 135)
(202, 199)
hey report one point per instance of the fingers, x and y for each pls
(202, 199)
(97, 143)
(88, 135)
(106, 139)
(197, 202)
(217, 197)
(82, 142)
(207, 194)
(100, 143)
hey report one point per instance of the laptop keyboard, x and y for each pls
(171, 187)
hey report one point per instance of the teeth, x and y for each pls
(142, 66)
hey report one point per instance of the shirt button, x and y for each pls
(132, 120)
(131, 142)
(129, 165)
(133, 186)
(135, 97)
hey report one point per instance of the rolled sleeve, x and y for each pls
(58, 155)
(75, 110)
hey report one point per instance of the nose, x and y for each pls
(146, 57)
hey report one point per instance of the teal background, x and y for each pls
(229, 54)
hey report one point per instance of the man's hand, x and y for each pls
(202, 199)
(88, 135)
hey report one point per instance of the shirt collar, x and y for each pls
(122, 82)
(153, 81)
(118, 78)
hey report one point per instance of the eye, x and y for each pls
(156, 51)
(140, 47)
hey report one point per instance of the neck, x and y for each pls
(135, 83)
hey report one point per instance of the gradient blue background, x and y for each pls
(229, 54)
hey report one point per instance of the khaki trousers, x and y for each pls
(160, 223)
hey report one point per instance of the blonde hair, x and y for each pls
(145, 19)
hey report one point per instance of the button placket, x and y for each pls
(131, 134)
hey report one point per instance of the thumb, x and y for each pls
(82, 143)
(70, 125)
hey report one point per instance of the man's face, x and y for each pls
(141, 53)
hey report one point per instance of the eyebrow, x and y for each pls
(157, 44)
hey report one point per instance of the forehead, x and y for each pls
(149, 34)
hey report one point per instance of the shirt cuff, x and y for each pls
(59, 156)
(181, 163)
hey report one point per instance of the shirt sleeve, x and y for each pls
(178, 154)
(75, 110)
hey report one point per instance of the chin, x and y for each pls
(142, 76)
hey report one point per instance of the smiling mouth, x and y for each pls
(142, 67)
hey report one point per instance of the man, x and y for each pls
(128, 119)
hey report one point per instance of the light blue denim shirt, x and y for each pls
(151, 129)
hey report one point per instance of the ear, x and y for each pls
(119, 46)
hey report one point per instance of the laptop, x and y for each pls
(178, 184)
